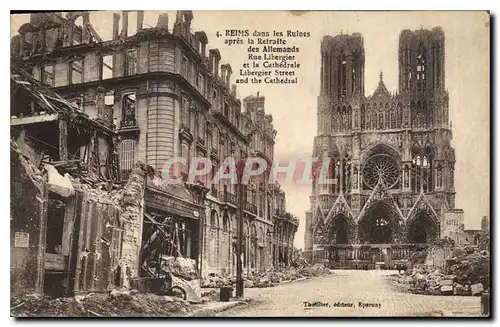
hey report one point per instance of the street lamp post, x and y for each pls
(239, 233)
(270, 235)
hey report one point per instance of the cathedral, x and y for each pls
(389, 153)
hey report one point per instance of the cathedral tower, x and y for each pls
(389, 152)
(342, 81)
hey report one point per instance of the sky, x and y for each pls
(467, 67)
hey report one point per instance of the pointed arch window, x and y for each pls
(408, 67)
(346, 174)
(416, 165)
(421, 69)
(399, 116)
(335, 173)
(342, 76)
(393, 118)
(438, 65)
(353, 78)
(427, 171)
(439, 176)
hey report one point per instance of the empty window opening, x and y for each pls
(107, 67)
(78, 31)
(76, 72)
(130, 62)
(127, 157)
(48, 74)
(128, 110)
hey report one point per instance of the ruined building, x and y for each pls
(473, 236)
(65, 227)
(390, 154)
(159, 94)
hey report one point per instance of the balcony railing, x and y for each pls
(214, 152)
(279, 212)
(213, 191)
(250, 207)
(124, 174)
(128, 122)
(229, 197)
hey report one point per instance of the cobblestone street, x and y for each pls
(344, 287)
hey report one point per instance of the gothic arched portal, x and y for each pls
(340, 230)
(422, 229)
(380, 225)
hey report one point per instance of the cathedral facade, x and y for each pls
(389, 153)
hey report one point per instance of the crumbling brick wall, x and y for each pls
(132, 207)
(28, 219)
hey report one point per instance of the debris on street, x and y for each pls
(466, 274)
(268, 278)
(117, 303)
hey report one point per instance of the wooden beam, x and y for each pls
(63, 139)
(33, 119)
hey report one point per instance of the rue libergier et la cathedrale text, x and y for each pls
(283, 63)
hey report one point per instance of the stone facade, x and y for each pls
(390, 153)
(474, 236)
(168, 96)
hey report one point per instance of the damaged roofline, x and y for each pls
(49, 99)
(110, 82)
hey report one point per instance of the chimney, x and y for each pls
(162, 21)
(124, 24)
(140, 19)
(116, 22)
(85, 30)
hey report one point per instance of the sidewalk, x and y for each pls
(211, 308)
(209, 289)
(463, 312)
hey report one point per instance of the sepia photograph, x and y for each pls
(185, 163)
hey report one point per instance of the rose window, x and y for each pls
(380, 166)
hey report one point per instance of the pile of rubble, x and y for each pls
(468, 274)
(472, 265)
(268, 278)
(117, 303)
